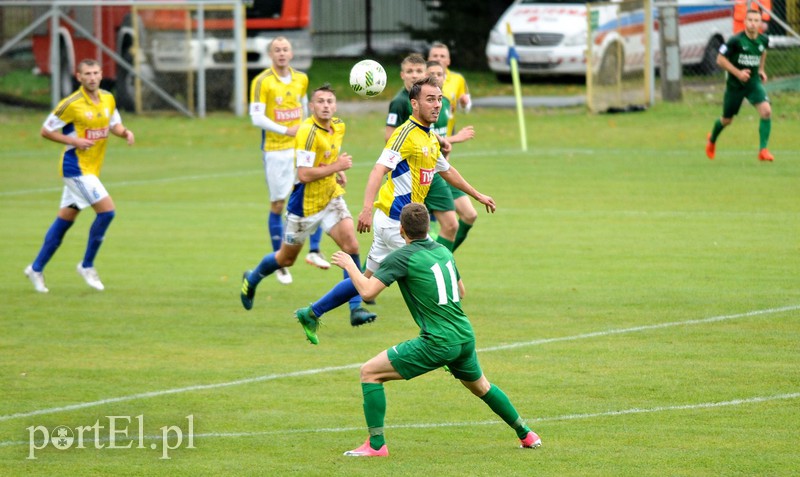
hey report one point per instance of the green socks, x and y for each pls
(497, 400)
(764, 127)
(461, 233)
(445, 242)
(718, 127)
(374, 412)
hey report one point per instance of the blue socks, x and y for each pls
(339, 294)
(314, 240)
(96, 235)
(355, 302)
(266, 267)
(275, 224)
(52, 240)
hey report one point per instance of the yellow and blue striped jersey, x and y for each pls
(78, 116)
(315, 146)
(413, 154)
(282, 103)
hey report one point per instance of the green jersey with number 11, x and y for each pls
(428, 280)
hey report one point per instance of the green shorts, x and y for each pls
(416, 357)
(732, 100)
(457, 193)
(439, 196)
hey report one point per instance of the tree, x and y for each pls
(464, 26)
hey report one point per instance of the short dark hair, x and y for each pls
(430, 63)
(415, 221)
(413, 58)
(88, 62)
(413, 93)
(326, 87)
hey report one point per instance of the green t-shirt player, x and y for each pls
(744, 57)
(432, 289)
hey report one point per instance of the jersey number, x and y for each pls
(441, 287)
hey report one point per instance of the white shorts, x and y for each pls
(298, 228)
(386, 238)
(279, 171)
(82, 191)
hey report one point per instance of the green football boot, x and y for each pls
(309, 322)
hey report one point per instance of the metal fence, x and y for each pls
(356, 27)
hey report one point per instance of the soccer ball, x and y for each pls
(367, 78)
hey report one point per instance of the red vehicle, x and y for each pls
(165, 48)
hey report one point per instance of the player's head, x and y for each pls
(323, 103)
(414, 221)
(441, 53)
(280, 51)
(426, 100)
(412, 69)
(436, 71)
(89, 74)
(752, 22)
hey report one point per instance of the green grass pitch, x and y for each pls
(637, 302)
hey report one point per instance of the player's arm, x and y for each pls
(370, 191)
(368, 288)
(387, 133)
(762, 72)
(393, 119)
(724, 63)
(464, 134)
(453, 177)
(260, 120)
(307, 172)
(465, 99)
(118, 129)
(52, 128)
(461, 290)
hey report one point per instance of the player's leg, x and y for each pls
(91, 190)
(314, 256)
(440, 202)
(467, 215)
(66, 216)
(374, 373)
(406, 360)
(343, 233)
(279, 171)
(731, 103)
(297, 230)
(759, 98)
(386, 238)
(467, 369)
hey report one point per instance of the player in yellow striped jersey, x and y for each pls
(317, 200)
(277, 106)
(454, 87)
(411, 158)
(82, 121)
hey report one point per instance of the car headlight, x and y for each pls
(578, 39)
(497, 38)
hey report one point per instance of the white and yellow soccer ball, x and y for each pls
(367, 78)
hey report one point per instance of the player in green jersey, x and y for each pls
(744, 57)
(432, 289)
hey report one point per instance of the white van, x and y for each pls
(550, 36)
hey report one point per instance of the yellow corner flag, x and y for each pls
(513, 61)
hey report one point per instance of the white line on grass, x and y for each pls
(436, 425)
(713, 319)
(271, 377)
(197, 177)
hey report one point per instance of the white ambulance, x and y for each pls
(550, 36)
